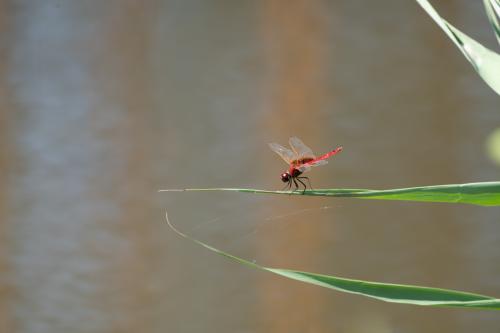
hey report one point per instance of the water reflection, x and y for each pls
(80, 239)
(109, 102)
(57, 214)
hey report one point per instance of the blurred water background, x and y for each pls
(102, 103)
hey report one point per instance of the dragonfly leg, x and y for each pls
(305, 187)
(296, 185)
(287, 186)
(308, 181)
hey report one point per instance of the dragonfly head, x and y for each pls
(285, 177)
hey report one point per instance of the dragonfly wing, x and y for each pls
(318, 163)
(304, 168)
(300, 148)
(307, 166)
(285, 153)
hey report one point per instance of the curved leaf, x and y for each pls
(387, 292)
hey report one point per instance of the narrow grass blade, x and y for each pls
(493, 10)
(482, 194)
(387, 292)
(484, 61)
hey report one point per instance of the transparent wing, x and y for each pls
(307, 166)
(285, 153)
(300, 148)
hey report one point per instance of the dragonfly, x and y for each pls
(300, 159)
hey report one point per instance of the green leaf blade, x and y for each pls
(482, 194)
(492, 8)
(387, 292)
(393, 293)
(485, 62)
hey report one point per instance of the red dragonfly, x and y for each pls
(300, 159)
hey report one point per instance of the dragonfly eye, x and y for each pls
(285, 177)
